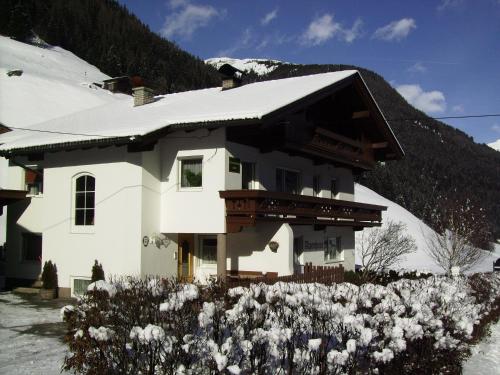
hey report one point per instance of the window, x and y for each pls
(247, 175)
(85, 200)
(333, 249)
(191, 173)
(80, 286)
(34, 181)
(208, 250)
(31, 247)
(316, 186)
(287, 181)
(333, 189)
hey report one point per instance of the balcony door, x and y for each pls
(185, 257)
(287, 181)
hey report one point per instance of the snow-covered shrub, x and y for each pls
(163, 327)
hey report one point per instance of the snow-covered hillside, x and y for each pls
(258, 66)
(419, 260)
(495, 145)
(54, 83)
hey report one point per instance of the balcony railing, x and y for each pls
(247, 207)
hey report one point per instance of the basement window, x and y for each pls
(208, 250)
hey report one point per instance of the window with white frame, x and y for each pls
(208, 250)
(191, 172)
(333, 249)
(84, 204)
(287, 181)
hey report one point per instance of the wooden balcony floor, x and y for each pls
(247, 207)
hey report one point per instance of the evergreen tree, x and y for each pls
(97, 272)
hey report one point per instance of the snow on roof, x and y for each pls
(54, 83)
(121, 119)
(495, 145)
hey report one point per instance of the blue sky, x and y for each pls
(443, 55)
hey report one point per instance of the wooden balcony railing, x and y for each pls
(247, 207)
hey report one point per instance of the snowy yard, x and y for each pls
(30, 335)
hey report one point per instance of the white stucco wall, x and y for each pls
(195, 210)
(267, 163)
(249, 250)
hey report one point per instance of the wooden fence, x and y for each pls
(311, 274)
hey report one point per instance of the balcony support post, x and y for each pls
(221, 256)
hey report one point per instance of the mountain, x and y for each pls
(258, 67)
(105, 34)
(495, 145)
(440, 161)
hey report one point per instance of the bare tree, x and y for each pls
(461, 231)
(381, 248)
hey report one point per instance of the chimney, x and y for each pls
(231, 77)
(143, 95)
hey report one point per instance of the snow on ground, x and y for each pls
(54, 83)
(485, 358)
(258, 66)
(419, 260)
(495, 145)
(29, 334)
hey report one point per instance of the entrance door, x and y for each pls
(185, 257)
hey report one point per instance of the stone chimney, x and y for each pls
(231, 77)
(143, 95)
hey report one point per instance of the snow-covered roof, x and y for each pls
(119, 118)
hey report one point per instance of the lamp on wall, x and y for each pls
(157, 239)
(273, 245)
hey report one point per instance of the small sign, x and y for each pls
(234, 165)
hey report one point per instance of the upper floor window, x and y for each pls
(33, 179)
(84, 200)
(248, 176)
(333, 189)
(316, 186)
(191, 173)
(287, 181)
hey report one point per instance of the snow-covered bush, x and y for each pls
(163, 327)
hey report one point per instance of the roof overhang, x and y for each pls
(10, 196)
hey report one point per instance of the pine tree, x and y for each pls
(97, 272)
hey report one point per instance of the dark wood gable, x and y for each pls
(340, 124)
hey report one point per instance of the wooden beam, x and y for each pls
(360, 114)
(380, 145)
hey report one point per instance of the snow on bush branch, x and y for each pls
(268, 329)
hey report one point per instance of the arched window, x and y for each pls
(84, 200)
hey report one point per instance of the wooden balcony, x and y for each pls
(247, 207)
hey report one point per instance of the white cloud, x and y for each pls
(324, 28)
(449, 4)
(427, 101)
(496, 128)
(244, 41)
(418, 67)
(188, 18)
(269, 17)
(459, 108)
(396, 30)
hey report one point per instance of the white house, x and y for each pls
(240, 180)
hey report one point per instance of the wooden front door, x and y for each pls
(185, 257)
